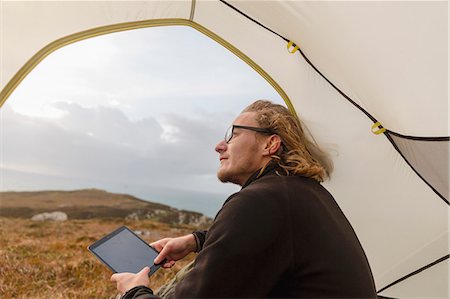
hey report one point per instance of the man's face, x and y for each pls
(243, 154)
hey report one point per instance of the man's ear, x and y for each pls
(272, 144)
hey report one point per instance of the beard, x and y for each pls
(225, 176)
(237, 175)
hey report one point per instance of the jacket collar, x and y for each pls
(269, 168)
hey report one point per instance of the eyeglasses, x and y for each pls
(230, 131)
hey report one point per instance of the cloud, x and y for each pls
(101, 142)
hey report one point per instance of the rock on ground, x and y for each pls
(53, 216)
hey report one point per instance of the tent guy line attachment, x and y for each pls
(380, 128)
(292, 45)
(414, 273)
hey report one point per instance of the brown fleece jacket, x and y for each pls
(280, 236)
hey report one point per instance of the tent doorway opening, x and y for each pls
(136, 112)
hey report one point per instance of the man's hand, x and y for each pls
(174, 249)
(126, 281)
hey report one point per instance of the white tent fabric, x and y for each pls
(389, 58)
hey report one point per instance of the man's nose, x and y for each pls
(221, 146)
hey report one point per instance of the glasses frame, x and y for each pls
(230, 131)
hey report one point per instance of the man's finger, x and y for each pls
(161, 256)
(157, 246)
(158, 259)
(169, 264)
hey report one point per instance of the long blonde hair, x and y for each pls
(299, 153)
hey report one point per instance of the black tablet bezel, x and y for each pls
(97, 243)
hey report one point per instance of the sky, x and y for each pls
(132, 112)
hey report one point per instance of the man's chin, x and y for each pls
(224, 176)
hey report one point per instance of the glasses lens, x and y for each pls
(229, 134)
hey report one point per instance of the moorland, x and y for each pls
(49, 259)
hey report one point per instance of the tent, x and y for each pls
(370, 80)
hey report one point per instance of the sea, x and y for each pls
(207, 203)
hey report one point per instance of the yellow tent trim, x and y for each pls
(64, 41)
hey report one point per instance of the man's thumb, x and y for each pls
(145, 270)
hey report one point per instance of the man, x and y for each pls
(281, 235)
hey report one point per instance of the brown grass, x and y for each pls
(51, 260)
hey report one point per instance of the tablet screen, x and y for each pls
(124, 251)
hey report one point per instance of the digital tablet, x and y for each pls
(123, 251)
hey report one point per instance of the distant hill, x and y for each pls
(94, 203)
